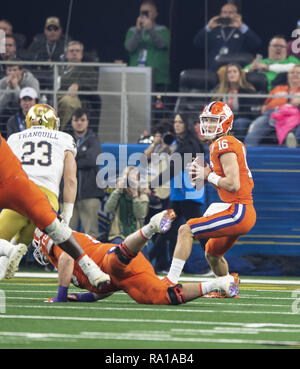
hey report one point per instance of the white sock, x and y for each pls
(3, 266)
(175, 270)
(148, 231)
(5, 248)
(207, 287)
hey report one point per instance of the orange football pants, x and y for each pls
(23, 196)
(19, 193)
(223, 228)
(137, 279)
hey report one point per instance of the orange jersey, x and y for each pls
(224, 145)
(137, 279)
(20, 194)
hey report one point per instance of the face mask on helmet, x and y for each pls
(215, 119)
(39, 241)
(42, 115)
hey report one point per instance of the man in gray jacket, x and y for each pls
(16, 78)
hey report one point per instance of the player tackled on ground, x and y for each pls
(127, 267)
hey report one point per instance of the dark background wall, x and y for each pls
(102, 24)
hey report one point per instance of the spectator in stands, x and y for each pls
(293, 47)
(75, 79)
(148, 45)
(226, 34)
(264, 126)
(184, 199)
(7, 27)
(48, 46)
(10, 52)
(276, 62)
(163, 143)
(88, 197)
(129, 204)
(17, 123)
(234, 82)
(16, 78)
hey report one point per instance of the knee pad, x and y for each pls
(58, 231)
(124, 255)
(176, 295)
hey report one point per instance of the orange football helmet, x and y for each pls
(42, 246)
(223, 116)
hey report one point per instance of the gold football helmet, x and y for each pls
(42, 115)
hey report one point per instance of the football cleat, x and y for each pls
(14, 259)
(229, 284)
(54, 300)
(215, 295)
(162, 221)
(102, 280)
(3, 266)
(237, 281)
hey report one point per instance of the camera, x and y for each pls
(168, 138)
(224, 21)
(144, 13)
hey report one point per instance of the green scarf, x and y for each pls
(128, 223)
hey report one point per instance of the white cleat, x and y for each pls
(162, 221)
(14, 259)
(3, 266)
(229, 285)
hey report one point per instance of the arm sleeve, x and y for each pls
(280, 68)
(140, 206)
(112, 202)
(161, 39)
(132, 40)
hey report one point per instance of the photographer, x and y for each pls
(163, 139)
(129, 204)
(226, 34)
(148, 45)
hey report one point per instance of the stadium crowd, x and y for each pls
(239, 75)
(224, 40)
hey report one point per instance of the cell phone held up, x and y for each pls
(224, 20)
(144, 13)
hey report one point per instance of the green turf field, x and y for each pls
(266, 315)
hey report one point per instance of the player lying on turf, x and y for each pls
(127, 267)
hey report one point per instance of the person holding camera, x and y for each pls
(129, 204)
(226, 34)
(148, 44)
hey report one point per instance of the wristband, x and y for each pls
(213, 178)
(67, 211)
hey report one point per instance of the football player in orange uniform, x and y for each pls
(19, 193)
(128, 269)
(228, 172)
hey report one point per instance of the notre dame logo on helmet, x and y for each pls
(42, 115)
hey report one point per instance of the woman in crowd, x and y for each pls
(184, 199)
(233, 83)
